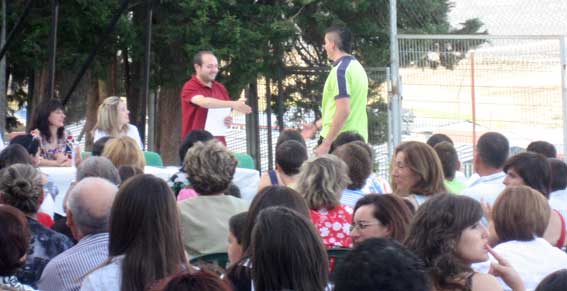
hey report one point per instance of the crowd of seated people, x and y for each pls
(125, 230)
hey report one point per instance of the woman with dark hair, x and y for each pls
(558, 195)
(239, 273)
(417, 173)
(519, 218)
(357, 156)
(533, 170)
(145, 238)
(14, 154)
(446, 233)
(380, 216)
(32, 146)
(193, 281)
(14, 244)
(287, 253)
(21, 187)
(554, 281)
(290, 155)
(57, 146)
(236, 226)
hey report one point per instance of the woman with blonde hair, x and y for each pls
(123, 151)
(417, 173)
(322, 182)
(113, 120)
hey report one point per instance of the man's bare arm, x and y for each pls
(209, 102)
(341, 115)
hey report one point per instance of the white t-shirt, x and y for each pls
(533, 260)
(486, 188)
(108, 278)
(132, 132)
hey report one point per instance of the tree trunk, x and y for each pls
(169, 125)
(135, 103)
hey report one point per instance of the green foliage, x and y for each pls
(252, 39)
(248, 37)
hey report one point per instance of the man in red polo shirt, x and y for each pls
(202, 92)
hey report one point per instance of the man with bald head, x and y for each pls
(88, 212)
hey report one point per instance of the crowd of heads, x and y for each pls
(419, 237)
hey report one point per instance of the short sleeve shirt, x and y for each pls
(194, 116)
(347, 79)
(333, 226)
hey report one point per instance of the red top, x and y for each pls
(45, 220)
(333, 226)
(192, 115)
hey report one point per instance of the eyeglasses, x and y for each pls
(363, 226)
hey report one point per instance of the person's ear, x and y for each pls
(69, 222)
(41, 197)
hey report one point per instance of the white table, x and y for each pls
(246, 179)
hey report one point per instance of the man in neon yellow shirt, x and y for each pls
(344, 95)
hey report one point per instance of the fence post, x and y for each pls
(269, 122)
(390, 136)
(564, 91)
(395, 100)
(252, 125)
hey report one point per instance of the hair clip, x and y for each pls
(35, 134)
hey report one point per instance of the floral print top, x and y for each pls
(64, 145)
(333, 226)
(177, 182)
(45, 244)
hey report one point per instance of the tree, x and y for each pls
(369, 22)
(81, 22)
(248, 37)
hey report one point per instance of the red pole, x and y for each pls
(473, 104)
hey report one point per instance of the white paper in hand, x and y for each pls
(215, 121)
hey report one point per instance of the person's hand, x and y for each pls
(66, 163)
(78, 157)
(487, 209)
(240, 106)
(504, 270)
(228, 120)
(62, 160)
(323, 148)
(308, 130)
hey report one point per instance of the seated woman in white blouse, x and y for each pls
(520, 216)
(113, 120)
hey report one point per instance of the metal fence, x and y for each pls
(297, 108)
(464, 85)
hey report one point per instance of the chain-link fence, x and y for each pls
(295, 99)
(464, 86)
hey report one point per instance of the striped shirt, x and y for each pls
(67, 270)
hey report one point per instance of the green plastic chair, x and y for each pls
(153, 159)
(85, 155)
(216, 259)
(244, 161)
